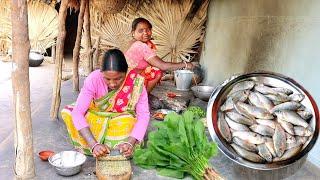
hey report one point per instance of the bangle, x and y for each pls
(185, 63)
(128, 143)
(94, 147)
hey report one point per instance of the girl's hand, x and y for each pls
(189, 66)
(126, 149)
(100, 150)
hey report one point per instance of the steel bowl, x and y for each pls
(202, 92)
(67, 163)
(35, 58)
(219, 96)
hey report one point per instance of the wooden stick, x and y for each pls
(76, 49)
(53, 53)
(87, 34)
(24, 163)
(56, 98)
(96, 53)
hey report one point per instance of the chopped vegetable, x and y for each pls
(179, 146)
(197, 111)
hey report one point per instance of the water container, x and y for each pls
(183, 79)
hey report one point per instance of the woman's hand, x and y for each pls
(126, 149)
(100, 150)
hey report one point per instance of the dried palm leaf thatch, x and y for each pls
(176, 37)
(114, 30)
(5, 26)
(42, 23)
(109, 6)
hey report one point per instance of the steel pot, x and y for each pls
(219, 96)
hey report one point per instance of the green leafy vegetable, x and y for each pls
(197, 111)
(179, 146)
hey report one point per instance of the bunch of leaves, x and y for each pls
(178, 146)
(197, 111)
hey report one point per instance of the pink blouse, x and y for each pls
(138, 55)
(94, 87)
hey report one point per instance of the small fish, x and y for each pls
(301, 131)
(305, 114)
(263, 151)
(263, 130)
(267, 139)
(227, 105)
(297, 97)
(278, 97)
(267, 122)
(291, 105)
(245, 85)
(247, 154)
(288, 154)
(259, 100)
(279, 140)
(288, 127)
(236, 126)
(234, 97)
(283, 90)
(264, 89)
(270, 147)
(245, 144)
(240, 95)
(301, 139)
(276, 102)
(291, 117)
(292, 145)
(290, 138)
(223, 127)
(235, 116)
(252, 111)
(251, 137)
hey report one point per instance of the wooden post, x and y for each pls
(87, 34)
(95, 57)
(23, 143)
(76, 49)
(53, 53)
(56, 98)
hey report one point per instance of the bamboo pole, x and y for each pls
(56, 98)
(23, 142)
(76, 49)
(53, 53)
(95, 57)
(87, 34)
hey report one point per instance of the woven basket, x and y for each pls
(109, 6)
(113, 168)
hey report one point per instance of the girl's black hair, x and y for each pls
(140, 20)
(114, 60)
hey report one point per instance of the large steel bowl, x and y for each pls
(202, 92)
(35, 59)
(219, 96)
(67, 163)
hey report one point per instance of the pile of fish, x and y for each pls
(263, 123)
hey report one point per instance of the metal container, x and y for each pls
(35, 58)
(219, 96)
(202, 92)
(67, 163)
(183, 79)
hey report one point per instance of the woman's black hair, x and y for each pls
(136, 21)
(114, 60)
